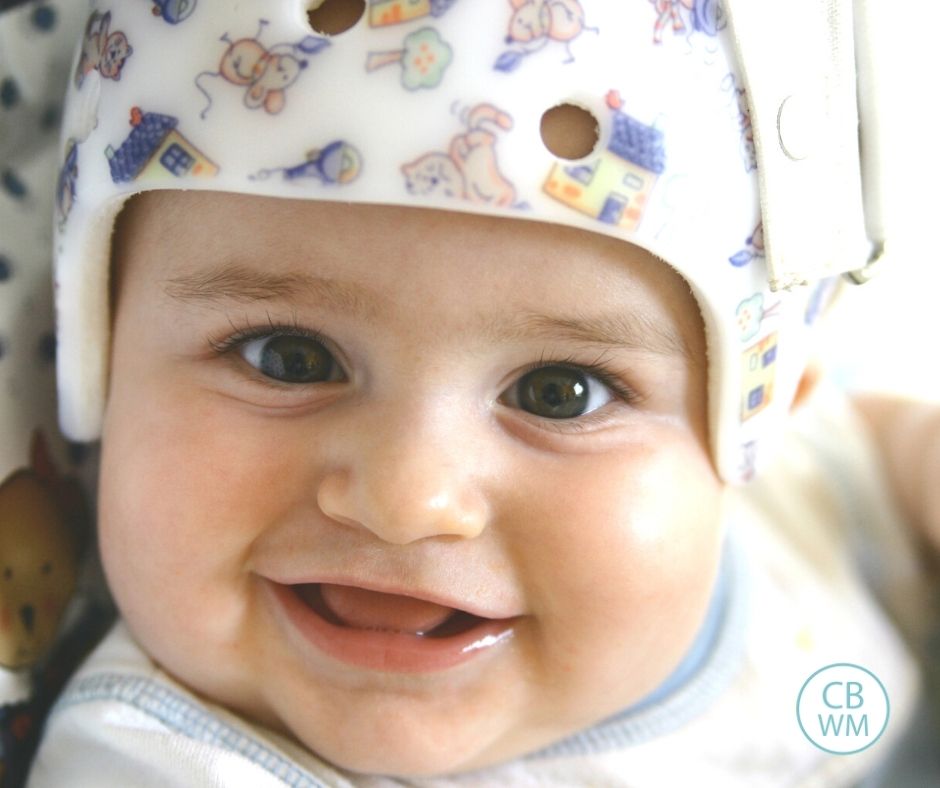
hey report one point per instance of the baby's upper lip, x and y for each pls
(478, 605)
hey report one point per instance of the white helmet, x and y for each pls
(703, 118)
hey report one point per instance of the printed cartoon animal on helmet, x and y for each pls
(102, 50)
(536, 23)
(469, 170)
(532, 20)
(264, 73)
(705, 16)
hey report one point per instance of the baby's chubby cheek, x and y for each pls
(179, 509)
(620, 565)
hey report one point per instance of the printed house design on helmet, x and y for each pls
(615, 186)
(155, 149)
(395, 12)
(760, 367)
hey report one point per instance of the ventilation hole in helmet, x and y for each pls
(330, 17)
(569, 131)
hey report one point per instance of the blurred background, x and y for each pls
(883, 335)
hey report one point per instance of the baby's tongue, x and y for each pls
(363, 609)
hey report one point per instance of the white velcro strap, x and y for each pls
(797, 64)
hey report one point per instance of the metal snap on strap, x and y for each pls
(871, 268)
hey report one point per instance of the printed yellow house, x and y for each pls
(757, 379)
(615, 186)
(394, 12)
(155, 149)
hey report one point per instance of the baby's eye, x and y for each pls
(559, 392)
(290, 359)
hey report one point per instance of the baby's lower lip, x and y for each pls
(460, 639)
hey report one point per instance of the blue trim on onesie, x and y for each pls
(709, 666)
(703, 644)
(188, 717)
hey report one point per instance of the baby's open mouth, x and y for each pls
(352, 607)
(390, 632)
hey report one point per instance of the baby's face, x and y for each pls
(319, 414)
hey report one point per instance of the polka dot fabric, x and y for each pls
(36, 43)
(35, 55)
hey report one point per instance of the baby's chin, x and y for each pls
(411, 748)
(406, 744)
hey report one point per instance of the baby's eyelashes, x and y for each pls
(561, 390)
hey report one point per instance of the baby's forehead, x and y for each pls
(283, 232)
(369, 258)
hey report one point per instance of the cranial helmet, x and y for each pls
(726, 144)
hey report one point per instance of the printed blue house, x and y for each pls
(156, 150)
(614, 186)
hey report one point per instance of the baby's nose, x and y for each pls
(400, 512)
(406, 486)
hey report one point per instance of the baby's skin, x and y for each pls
(325, 432)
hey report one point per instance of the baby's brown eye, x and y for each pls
(554, 392)
(558, 392)
(290, 359)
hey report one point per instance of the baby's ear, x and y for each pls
(807, 385)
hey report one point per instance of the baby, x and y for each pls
(423, 397)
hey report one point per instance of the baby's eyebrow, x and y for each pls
(617, 330)
(245, 285)
(241, 284)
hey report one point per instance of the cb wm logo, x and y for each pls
(843, 708)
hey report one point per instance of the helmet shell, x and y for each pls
(438, 104)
